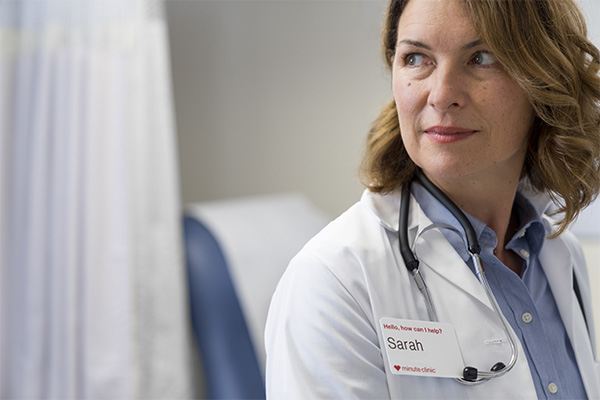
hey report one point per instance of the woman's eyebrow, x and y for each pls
(472, 44)
(416, 43)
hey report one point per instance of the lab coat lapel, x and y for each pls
(557, 264)
(558, 268)
(436, 255)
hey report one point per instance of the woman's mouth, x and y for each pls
(448, 134)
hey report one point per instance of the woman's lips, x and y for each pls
(448, 134)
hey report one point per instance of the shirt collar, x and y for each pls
(436, 211)
(385, 207)
(531, 227)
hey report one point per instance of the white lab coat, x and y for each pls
(323, 337)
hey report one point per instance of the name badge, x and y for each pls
(422, 348)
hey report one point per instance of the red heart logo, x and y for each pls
(397, 367)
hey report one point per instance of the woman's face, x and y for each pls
(460, 114)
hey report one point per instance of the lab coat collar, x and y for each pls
(386, 207)
(436, 254)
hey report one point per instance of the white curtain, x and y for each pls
(92, 292)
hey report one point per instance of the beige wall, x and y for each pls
(275, 96)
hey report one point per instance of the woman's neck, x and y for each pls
(489, 200)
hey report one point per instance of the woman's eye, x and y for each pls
(483, 58)
(414, 60)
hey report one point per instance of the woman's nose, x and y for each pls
(447, 90)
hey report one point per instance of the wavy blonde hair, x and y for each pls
(543, 45)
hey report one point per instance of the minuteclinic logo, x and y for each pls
(424, 370)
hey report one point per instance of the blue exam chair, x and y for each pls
(236, 251)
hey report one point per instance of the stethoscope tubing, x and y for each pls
(472, 243)
(511, 339)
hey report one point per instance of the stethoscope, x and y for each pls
(471, 375)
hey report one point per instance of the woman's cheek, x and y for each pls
(409, 102)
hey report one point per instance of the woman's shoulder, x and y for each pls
(346, 256)
(322, 309)
(337, 270)
(363, 228)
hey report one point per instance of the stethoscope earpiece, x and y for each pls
(470, 374)
(499, 366)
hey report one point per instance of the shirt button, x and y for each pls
(522, 233)
(524, 253)
(527, 317)
(552, 388)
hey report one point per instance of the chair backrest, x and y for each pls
(236, 251)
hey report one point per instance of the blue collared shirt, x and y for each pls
(526, 301)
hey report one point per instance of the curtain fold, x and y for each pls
(92, 293)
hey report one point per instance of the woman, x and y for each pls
(497, 104)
